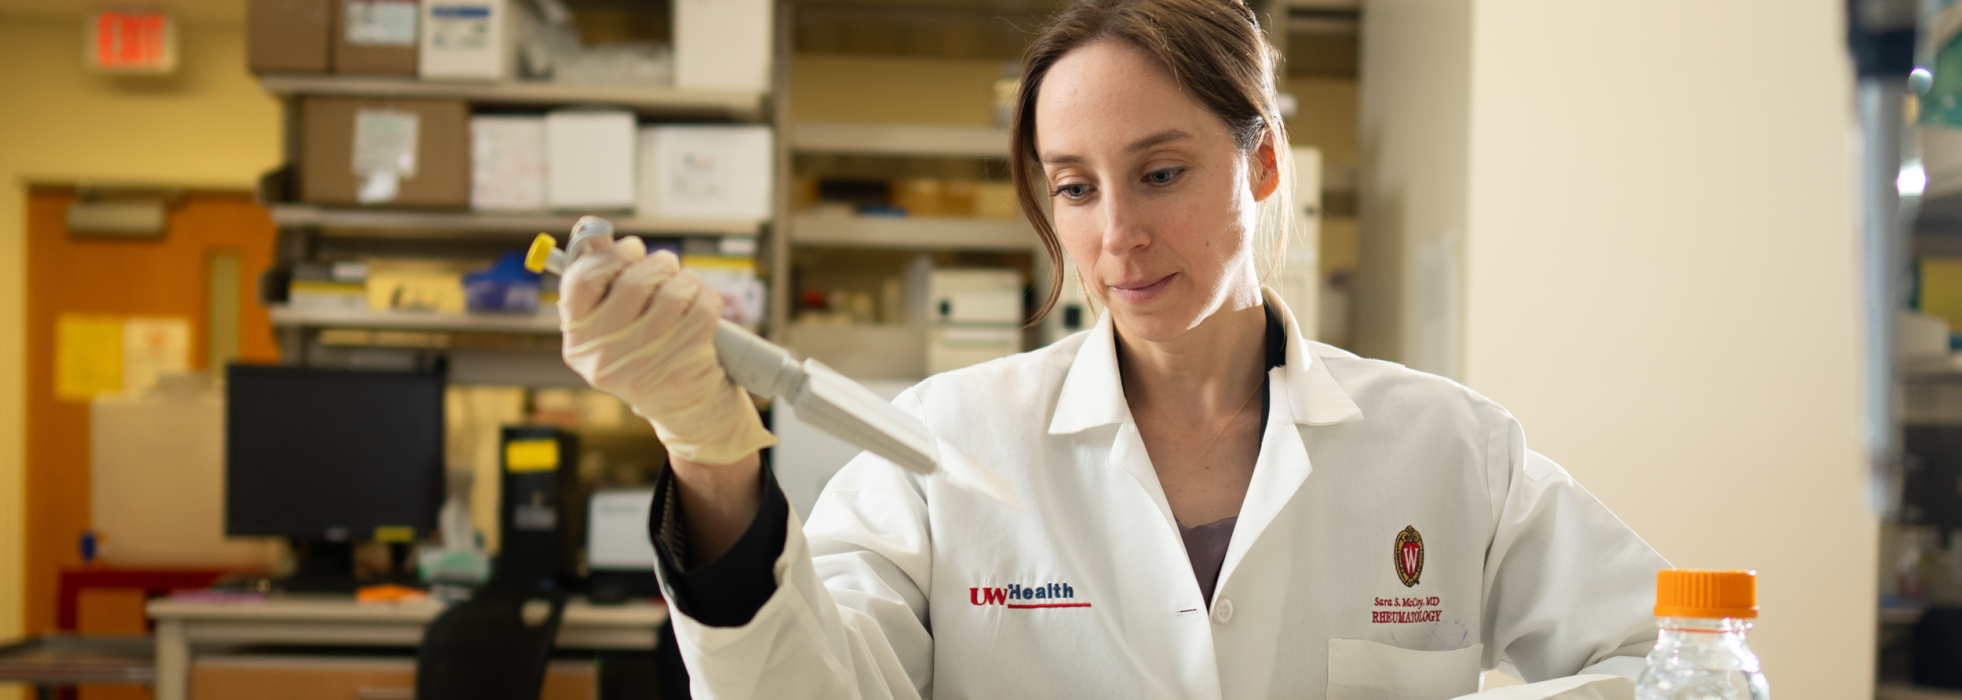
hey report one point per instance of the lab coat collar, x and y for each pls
(1093, 391)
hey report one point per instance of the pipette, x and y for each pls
(823, 398)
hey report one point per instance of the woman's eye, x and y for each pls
(1163, 176)
(1075, 191)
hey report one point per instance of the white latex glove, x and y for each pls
(639, 327)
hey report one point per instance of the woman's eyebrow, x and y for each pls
(1159, 139)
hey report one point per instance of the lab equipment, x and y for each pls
(535, 550)
(976, 316)
(327, 457)
(824, 398)
(1700, 653)
(619, 553)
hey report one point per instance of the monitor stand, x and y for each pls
(321, 566)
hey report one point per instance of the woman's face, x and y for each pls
(1151, 197)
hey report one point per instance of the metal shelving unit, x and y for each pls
(546, 321)
(733, 104)
(918, 233)
(384, 222)
(308, 231)
(900, 140)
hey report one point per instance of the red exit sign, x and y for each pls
(132, 42)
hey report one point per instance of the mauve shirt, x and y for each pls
(1205, 545)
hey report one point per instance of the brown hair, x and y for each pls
(1217, 54)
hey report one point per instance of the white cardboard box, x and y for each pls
(507, 163)
(722, 44)
(975, 296)
(589, 159)
(465, 39)
(706, 172)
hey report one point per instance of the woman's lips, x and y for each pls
(1141, 293)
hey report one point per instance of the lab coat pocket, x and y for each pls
(1365, 670)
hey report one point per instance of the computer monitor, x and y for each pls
(332, 455)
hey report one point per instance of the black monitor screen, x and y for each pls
(328, 453)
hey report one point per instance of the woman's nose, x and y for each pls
(1125, 226)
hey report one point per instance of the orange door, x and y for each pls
(105, 277)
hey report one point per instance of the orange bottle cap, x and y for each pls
(1693, 593)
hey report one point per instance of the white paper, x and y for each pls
(154, 346)
(378, 187)
(507, 163)
(381, 22)
(708, 172)
(385, 140)
(589, 161)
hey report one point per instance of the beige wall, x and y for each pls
(1658, 277)
(210, 125)
(1660, 284)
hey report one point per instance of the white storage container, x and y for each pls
(589, 159)
(706, 172)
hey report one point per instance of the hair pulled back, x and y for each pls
(1215, 51)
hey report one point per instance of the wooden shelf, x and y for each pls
(900, 140)
(924, 232)
(384, 222)
(739, 104)
(546, 321)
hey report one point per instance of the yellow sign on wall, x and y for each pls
(88, 356)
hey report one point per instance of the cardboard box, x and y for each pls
(375, 37)
(465, 40)
(437, 174)
(288, 36)
(589, 159)
(723, 44)
(507, 163)
(706, 172)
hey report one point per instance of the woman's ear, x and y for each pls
(1266, 170)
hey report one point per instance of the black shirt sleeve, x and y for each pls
(726, 592)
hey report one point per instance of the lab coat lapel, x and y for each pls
(1093, 396)
(1092, 393)
(1300, 393)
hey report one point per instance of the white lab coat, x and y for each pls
(903, 586)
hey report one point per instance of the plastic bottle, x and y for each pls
(1700, 653)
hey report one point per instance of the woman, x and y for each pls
(1218, 508)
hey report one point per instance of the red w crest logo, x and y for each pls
(1409, 555)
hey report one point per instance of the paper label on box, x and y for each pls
(385, 140)
(381, 22)
(459, 27)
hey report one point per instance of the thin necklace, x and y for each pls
(1229, 419)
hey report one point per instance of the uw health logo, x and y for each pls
(1017, 596)
(1409, 555)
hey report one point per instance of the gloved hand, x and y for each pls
(639, 327)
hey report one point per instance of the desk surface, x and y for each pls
(344, 609)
